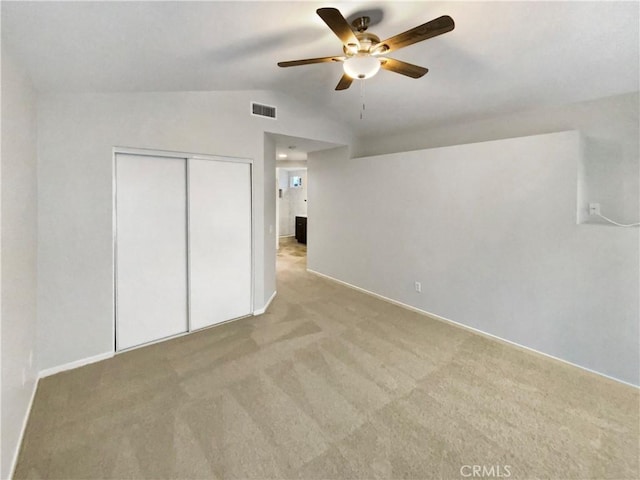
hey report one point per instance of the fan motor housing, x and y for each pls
(366, 39)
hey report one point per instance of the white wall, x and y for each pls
(289, 164)
(76, 135)
(19, 251)
(269, 215)
(284, 229)
(609, 127)
(490, 231)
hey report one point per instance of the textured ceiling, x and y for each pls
(502, 57)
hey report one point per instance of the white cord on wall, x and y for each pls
(616, 223)
(594, 209)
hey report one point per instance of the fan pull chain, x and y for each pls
(362, 98)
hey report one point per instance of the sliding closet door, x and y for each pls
(219, 241)
(151, 249)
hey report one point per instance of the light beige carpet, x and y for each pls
(330, 383)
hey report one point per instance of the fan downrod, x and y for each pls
(360, 24)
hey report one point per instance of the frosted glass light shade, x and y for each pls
(361, 66)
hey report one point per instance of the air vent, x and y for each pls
(263, 110)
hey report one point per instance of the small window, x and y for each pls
(296, 182)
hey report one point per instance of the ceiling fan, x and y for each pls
(362, 50)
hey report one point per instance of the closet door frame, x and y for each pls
(114, 238)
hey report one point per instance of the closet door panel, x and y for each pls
(219, 241)
(151, 249)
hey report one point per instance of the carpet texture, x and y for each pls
(330, 383)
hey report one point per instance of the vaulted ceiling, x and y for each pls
(502, 57)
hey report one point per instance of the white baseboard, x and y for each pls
(78, 363)
(260, 311)
(25, 420)
(467, 327)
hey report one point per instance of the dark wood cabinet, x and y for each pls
(301, 229)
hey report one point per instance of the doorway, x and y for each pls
(293, 181)
(292, 203)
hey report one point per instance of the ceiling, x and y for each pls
(502, 57)
(297, 149)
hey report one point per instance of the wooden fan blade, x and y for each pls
(339, 25)
(403, 68)
(308, 61)
(344, 83)
(427, 30)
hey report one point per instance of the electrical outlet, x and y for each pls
(594, 208)
(418, 287)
